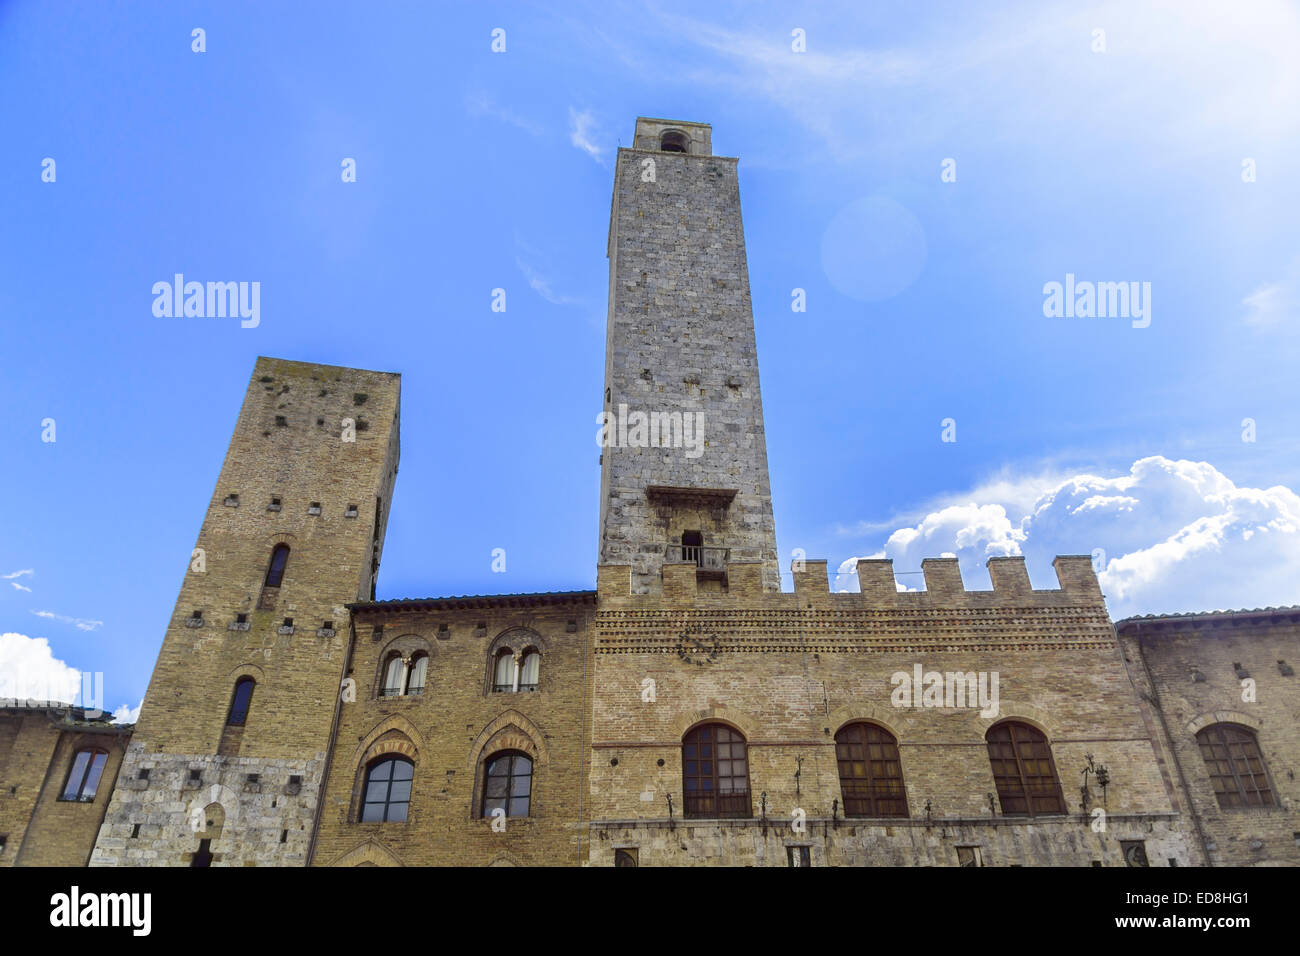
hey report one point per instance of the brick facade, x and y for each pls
(789, 671)
(38, 746)
(458, 723)
(1194, 671)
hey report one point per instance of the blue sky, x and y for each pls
(478, 170)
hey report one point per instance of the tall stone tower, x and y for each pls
(229, 753)
(684, 464)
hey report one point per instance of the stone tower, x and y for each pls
(228, 756)
(684, 464)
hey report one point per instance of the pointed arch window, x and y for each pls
(83, 777)
(715, 773)
(387, 797)
(508, 784)
(240, 701)
(275, 570)
(1237, 769)
(871, 773)
(1023, 770)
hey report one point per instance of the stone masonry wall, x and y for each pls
(291, 444)
(681, 340)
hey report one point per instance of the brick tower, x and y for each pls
(684, 464)
(226, 762)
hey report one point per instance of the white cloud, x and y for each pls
(1173, 72)
(17, 574)
(1273, 303)
(542, 285)
(1174, 536)
(581, 129)
(30, 671)
(481, 104)
(81, 623)
(127, 715)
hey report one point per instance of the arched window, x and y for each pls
(239, 702)
(1236, 766)
(503, 671)
(715, 773)
(83, 778)
(674, 141)
(418, 673)
(275, 571)
(871, 775)
(1023, 770)
(393, 672)
(507, 784)
(529, 669)
(387, 797)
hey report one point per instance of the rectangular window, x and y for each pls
(970, 856)
(798, 855)
(83, 778)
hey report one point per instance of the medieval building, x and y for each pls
(686, 711)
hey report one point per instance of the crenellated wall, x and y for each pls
(790, 670)
(743, 583)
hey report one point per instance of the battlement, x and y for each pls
(943, 586)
